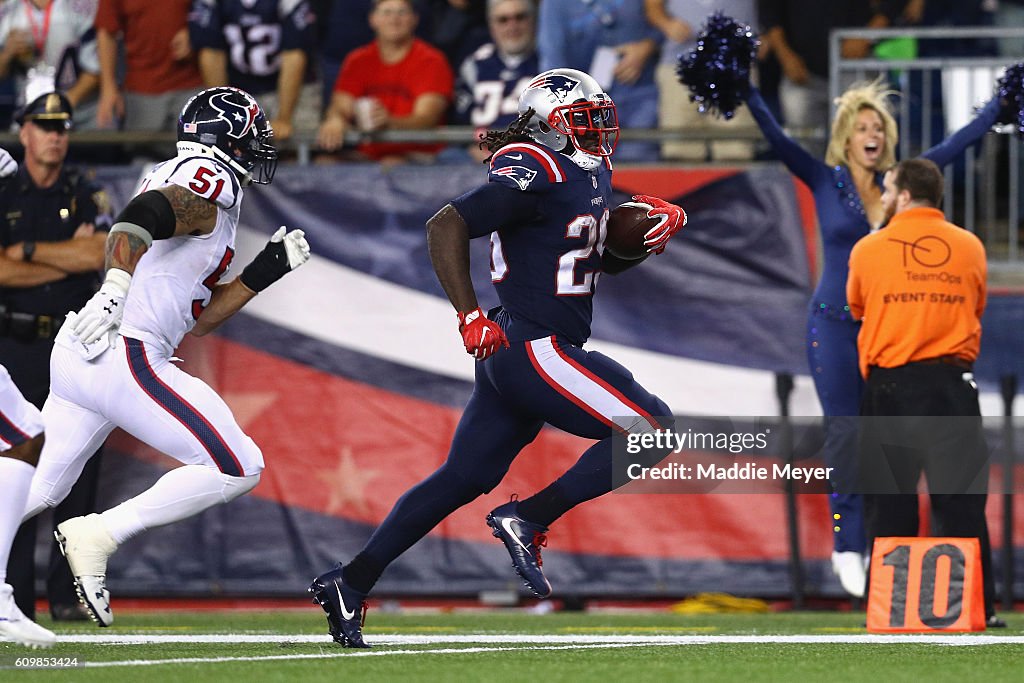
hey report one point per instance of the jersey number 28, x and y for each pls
(568, 280)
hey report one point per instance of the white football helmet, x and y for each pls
(572, 115)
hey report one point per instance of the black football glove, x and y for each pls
(285, 252)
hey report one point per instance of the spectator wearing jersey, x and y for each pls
(397, 82)
(55, 36)
(160, 69)
(261, 47)
(491, 79)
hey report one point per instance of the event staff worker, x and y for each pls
(918, 285)
(52, 234)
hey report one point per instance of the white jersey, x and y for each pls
(174, 279)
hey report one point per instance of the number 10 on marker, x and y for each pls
(926, 584)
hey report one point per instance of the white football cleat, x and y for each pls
(16, 627)
(87, 545)
(849, 566)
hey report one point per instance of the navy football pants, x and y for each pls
(517, 390)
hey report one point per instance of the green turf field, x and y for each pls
(292, 645)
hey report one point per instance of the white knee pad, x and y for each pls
(238, 486)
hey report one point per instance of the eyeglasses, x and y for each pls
(521, 16)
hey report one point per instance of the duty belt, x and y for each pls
(28, 326)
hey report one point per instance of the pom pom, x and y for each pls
(717, 71)
(1010, 91)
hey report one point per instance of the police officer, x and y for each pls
(53, 224)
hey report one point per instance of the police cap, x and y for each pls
(52, 106)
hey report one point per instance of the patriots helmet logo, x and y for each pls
(240, 118)
(558, 85)
(520, 175)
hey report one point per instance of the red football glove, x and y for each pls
(481, 336)
(672, 219)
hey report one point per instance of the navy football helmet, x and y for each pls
(228, 124)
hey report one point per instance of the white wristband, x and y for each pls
(121, 279)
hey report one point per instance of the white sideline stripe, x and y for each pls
(567, 639)
(355, 653)
(350, 309)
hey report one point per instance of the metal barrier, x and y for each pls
(985, 196)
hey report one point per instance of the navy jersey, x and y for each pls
(545, 269)
(488, 87)
(253, 33)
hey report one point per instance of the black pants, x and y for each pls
(930, 423)
(29, 366)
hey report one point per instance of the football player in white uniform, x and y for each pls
(111, 363)
(21, 439)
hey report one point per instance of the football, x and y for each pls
(627, 225)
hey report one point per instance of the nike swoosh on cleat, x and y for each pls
(345, 614)
(506, 524)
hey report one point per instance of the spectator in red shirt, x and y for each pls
(397, 82)
(160, 66)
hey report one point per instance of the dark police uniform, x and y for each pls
(30, 318)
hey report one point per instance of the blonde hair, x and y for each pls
(859, 96)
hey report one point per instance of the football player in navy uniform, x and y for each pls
(261, 47)
(545, 208)
(491, 79)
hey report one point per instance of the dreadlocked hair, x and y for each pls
(493, 140)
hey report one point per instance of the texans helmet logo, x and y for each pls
(240, 118)
(521, 175)
(558, 85)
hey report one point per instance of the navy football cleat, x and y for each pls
(523, 540)
(346, 609)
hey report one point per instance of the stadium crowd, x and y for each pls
(327, 66)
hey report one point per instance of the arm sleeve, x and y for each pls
(853, 294)
(982, 277)
(797, 159)
(108, 17)
(350, 77)
(494, 206)
(435, 77)
(950, 148)
(204, 26)
(298, 25)
(464, 91)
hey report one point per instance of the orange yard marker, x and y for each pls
(925, 584)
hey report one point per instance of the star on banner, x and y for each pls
(347, 484)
